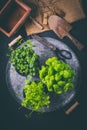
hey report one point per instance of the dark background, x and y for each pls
(12, 118)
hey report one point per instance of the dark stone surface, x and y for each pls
(11, 118)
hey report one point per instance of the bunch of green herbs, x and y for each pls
(25, 60)
(57, 75)
(35, 96)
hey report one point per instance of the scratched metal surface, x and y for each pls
(16, 82)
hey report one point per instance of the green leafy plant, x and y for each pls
(25, 60)
(35, 96)
(57, 75)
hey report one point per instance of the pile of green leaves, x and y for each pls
(25, 60)
(57, 75)
(35, 96)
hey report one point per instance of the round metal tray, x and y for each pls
(16, 82)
